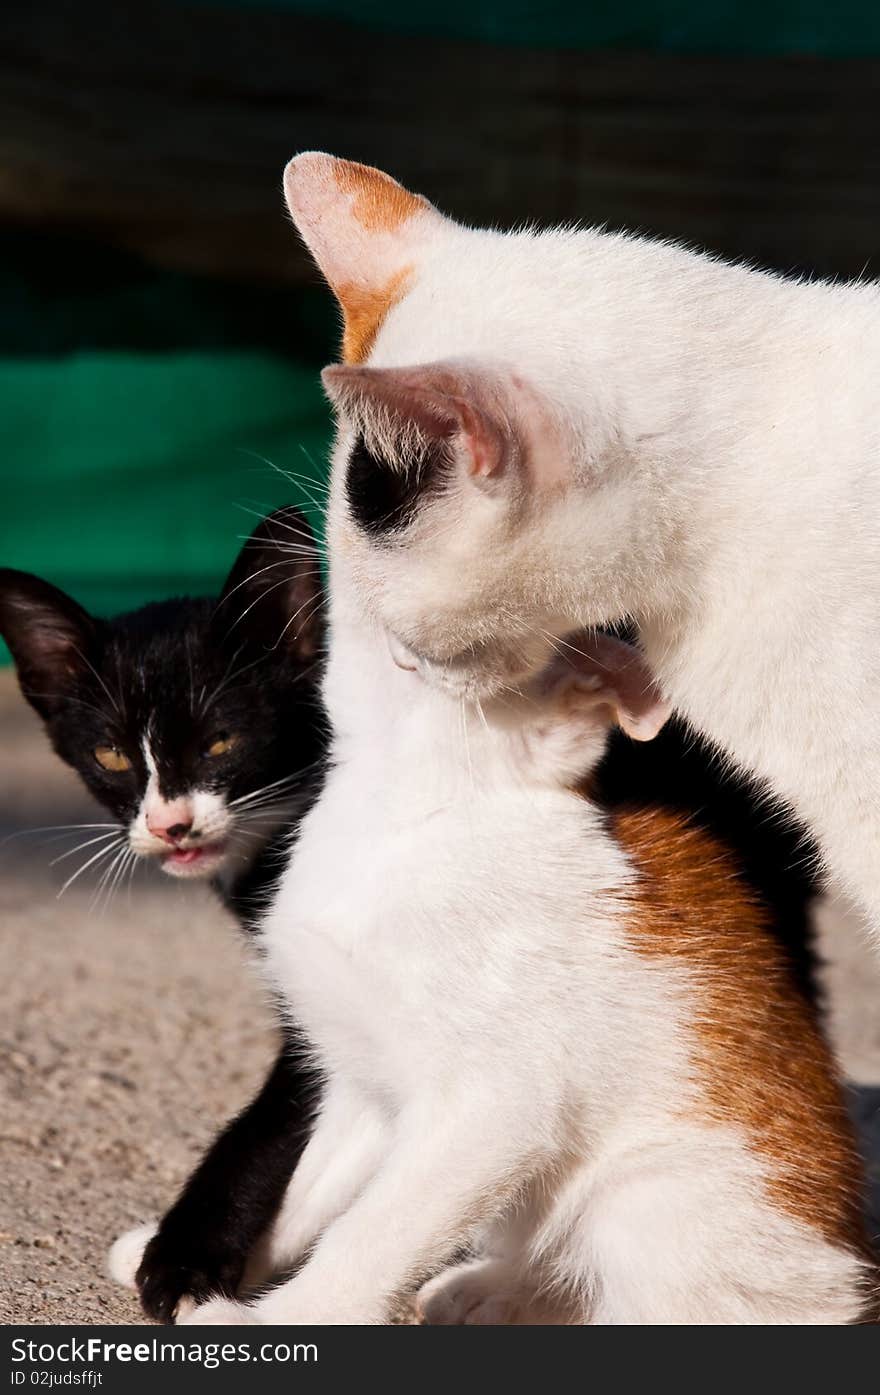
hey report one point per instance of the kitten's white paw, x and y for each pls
(217, 1312)
(127, 1252)
(478, 1292)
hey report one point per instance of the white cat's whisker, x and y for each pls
(262, 596)
(319, 477)
(312, 542)
(462, 709)
(481, 714)
(318, 603)
(303, 482)
(557, 640)
(270, 566)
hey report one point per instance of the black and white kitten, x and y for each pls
(197, 724)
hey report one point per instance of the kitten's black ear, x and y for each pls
(274, 594)
(50, 637)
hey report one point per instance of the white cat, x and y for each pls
(631, 430)
(568, 1040)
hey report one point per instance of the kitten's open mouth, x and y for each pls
(200, 861)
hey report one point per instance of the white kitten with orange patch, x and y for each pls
(628, 429)
(570, 1042)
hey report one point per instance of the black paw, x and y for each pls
(178, 1265)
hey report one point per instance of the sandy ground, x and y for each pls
(127, 1035)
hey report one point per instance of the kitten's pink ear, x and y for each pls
(595, 672)
(365, 231)
(444, 401)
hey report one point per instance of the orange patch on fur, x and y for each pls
(380, 203)
(764, 1063)
(364, 309)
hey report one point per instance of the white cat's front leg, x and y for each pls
(437, 1183)
(349, 1141)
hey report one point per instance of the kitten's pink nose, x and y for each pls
(171, 820)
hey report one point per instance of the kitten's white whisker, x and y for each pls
(102, 880)
(93, 670)
(227, 677)
(81, 847)
(274, 785)
(116, 878)
(105, 879)
(62, 828)
(102, 852)
(132, 868)
(192, 695)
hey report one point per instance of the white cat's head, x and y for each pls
(469, 505)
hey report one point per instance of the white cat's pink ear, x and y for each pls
(605, 679)
(445, 402)
(365, 232)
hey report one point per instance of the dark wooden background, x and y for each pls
(164, 130)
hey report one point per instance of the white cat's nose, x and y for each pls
(403, 657)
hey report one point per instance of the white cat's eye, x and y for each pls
(222, 744)
(111, 758)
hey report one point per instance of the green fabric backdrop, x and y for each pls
(135, 403)
(133, 476)
(148, 417)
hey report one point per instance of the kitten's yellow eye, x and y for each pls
(111, 758)
(223, 744)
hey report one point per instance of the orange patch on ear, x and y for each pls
(380, 203)
(364, 309)
(762, 1062)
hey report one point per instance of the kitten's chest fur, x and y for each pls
(406, 931)
(348, 941)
